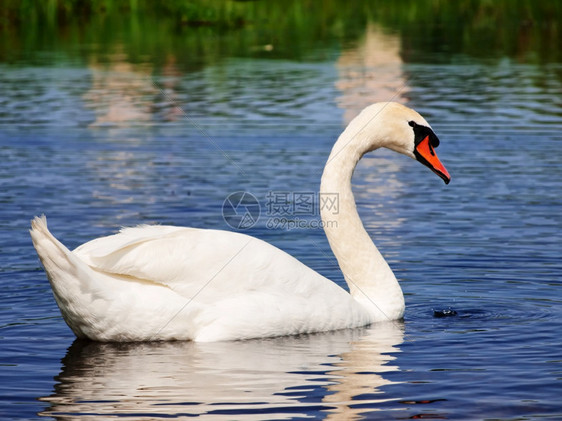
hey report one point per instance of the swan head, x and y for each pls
(401, 129)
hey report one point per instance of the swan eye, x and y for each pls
(421, 132)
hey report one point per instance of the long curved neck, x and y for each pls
(371, 281)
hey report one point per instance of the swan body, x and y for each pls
(174, 283)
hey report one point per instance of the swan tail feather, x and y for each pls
(70, 278)
(53, 254)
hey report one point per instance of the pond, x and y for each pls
(106, 124)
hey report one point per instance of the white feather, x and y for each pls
(172, 283)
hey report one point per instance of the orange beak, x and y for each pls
(425, 153)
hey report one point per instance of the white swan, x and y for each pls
(171, 283)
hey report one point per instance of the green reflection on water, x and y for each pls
(196, 33)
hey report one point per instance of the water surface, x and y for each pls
(98, 146)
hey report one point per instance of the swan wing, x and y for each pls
(196, 261)
(241, 286)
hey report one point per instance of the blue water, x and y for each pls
(97, 148)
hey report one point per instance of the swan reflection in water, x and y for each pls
(257, 379)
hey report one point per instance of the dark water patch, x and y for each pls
(448, 312)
